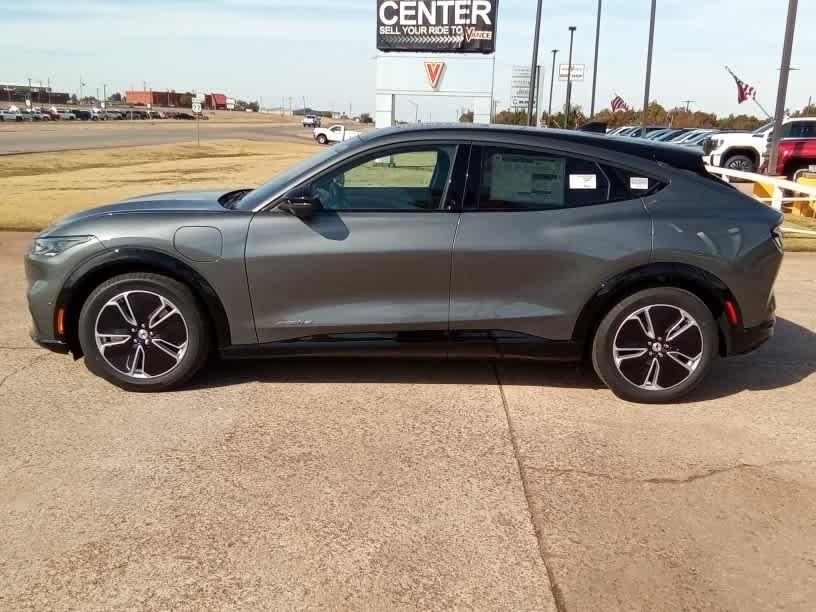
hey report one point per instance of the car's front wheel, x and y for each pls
(322, 139)
(656, 345)
(143, 332)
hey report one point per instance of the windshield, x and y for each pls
(763, 128)
(280, 181)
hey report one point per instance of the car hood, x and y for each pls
(171, 201)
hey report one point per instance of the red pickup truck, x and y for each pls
(797, 149)
(796, 155)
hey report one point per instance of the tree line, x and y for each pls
(656, 114)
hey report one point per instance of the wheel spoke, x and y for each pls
(689, 363)
(176, 351)
(653, 375)
(645, 321)
(105, 341)
(623, 354)
(137, 365)
(162, 313)
(682, 326)
(123, 305)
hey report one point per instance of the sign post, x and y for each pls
(197, 102)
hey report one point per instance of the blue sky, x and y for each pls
(323, 49)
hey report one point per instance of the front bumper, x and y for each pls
(55, 346)
(712, 160)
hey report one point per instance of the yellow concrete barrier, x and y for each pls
(806, 209)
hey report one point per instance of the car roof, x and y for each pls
(679, 157)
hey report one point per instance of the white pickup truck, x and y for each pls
(336, 133)
(745, 151)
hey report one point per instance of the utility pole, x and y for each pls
(782, 91)
(688, 104)
(648, 70)
(416, 110)
(552, 82)
(49, 91)
(569, 80)
(105, 93)
(595, 66)
(533, 65)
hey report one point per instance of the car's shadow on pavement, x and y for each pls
(785, 360)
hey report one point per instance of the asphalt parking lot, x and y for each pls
(75, 135)
(408, 484)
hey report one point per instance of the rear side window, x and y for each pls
(802, 129)
(523, 179)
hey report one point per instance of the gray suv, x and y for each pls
(480, 242)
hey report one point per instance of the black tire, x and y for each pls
(145, 293)
(671, 379)
(743, 163)
(321, 138)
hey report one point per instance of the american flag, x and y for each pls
(744, 90)
(619, 103)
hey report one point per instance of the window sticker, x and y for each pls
(528, 179)
(638, 182)
(583, 181)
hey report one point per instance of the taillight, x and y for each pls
(731, 311)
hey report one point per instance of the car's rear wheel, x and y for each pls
(656, 345)
(143, 332)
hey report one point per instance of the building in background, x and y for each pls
(39, 96)
(215, 101)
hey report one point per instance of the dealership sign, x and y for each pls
(454, 26)
(576, 75)
(434, 71)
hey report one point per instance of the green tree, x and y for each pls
(115, 97)
(556, 120)
(511, 117)
(366, 118)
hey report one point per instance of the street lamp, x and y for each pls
(782, 91)
(533, 66)
(595, 65)
(9, 90)
(648, 70)
(552, 82)
(569, 79)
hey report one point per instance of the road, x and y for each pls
(408, 484)
(34, 138)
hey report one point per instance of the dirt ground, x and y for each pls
(366, 484)
(39, 188)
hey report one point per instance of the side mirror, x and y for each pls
(301, 207)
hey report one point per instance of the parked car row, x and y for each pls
(688, 137)
(89, 114)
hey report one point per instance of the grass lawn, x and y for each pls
(800, 242)
(39, 188)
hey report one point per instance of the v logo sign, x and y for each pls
(434, 71)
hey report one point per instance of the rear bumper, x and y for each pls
(746, 340)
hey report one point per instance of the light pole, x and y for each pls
(782, 91)
(9, 90)
(533, 65)
(569, 80)
(595, 65)
(552, 82)
(49, 91)
(648, 70)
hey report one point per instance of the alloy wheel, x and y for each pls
(658, 347)
(141, 334)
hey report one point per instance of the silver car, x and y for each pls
(466, 241)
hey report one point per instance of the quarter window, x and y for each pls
(403, 180)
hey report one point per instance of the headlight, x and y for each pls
(53, 246)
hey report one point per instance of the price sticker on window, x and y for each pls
(640, 183)
(583, 181)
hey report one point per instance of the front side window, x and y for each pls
(802, 129)
(412, 179)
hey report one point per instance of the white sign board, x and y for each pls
(230, 103)
(196, 107)
(577, 72)
(198, 98)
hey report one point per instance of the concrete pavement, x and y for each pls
(408, 484)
